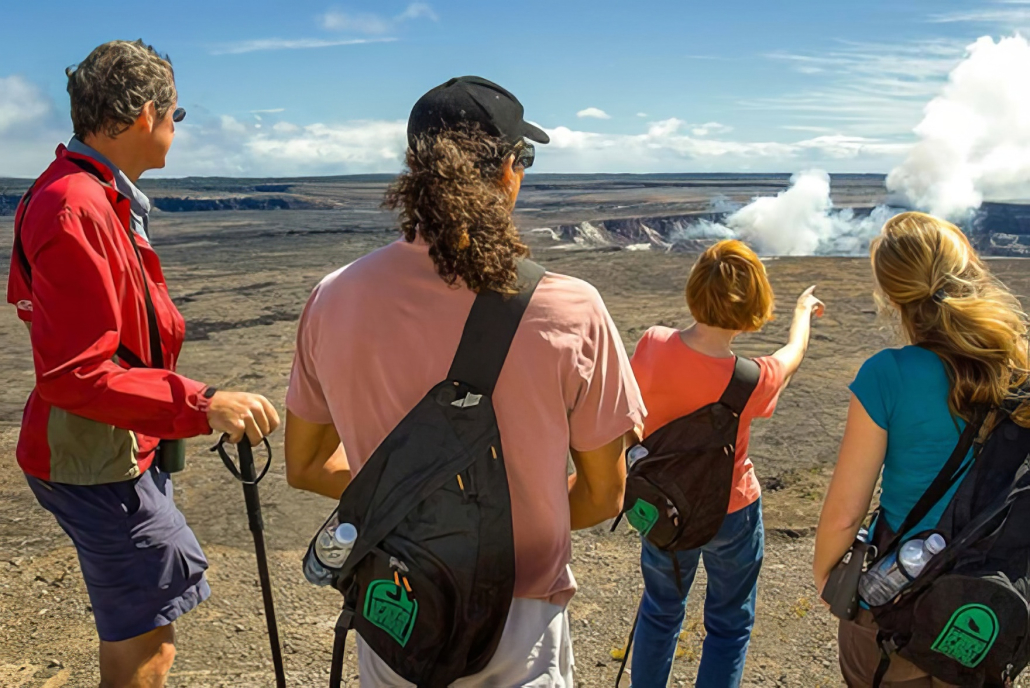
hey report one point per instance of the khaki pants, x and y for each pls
(860, 656)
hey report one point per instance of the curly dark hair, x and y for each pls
(110, 87)
(450, 196)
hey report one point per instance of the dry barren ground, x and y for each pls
(241, 280)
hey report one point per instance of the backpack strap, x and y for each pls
(19, 251)
(343, 625)
(952, 471)
(489, 331)
(883, 644)
(746, 374)
(124, 353)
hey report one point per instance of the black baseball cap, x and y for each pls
(472, 100)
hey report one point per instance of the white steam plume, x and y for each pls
(974, 139)
(800, 221)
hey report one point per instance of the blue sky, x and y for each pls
(307, 87)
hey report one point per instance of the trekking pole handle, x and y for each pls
(243, 448)
(246, 452)
(250, 480)
(247, 474)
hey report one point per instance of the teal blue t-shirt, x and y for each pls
(905, 392)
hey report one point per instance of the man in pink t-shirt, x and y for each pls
(378, 334)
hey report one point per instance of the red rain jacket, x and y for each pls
(76, 278)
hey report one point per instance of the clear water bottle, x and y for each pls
(635, 453)
(883, 583)
(332, 547)
(916, 554)
(314, 572)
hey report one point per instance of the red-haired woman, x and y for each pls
(679, 372)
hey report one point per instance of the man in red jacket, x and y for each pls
(105, 340)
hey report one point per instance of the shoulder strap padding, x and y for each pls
(489, 330)
(746, 374)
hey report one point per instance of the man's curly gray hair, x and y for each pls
(110, 87)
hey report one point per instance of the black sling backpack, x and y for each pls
(678, 494)
(966, 618)
(430, 579)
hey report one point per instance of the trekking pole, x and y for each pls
(247, 474)
(629, 646)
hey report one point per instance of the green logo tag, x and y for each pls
(969, 635)
(642, 516)
(388, 607)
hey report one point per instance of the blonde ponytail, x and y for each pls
(950, 304)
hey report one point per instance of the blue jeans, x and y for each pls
(732, 560)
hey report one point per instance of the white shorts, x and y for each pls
(535, 652)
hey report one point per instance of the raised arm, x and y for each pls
(851, 489)
(793, 353)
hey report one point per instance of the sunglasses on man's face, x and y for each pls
(179, 114)
(525, 154)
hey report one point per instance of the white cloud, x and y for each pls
(270, 111)
(261, 44)
(669, 146)
(20, 103)
(368, 144)
(595, 113)
(1005, 13)
(362, 22)
(418, 10)
(241, 146)
(865, 89)
(232, 126)
(226, 146)
(711, 128)
(641, 114)
(374, 24)
(974, 139)
(29, 128)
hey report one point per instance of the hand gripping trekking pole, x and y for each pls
(247, 474)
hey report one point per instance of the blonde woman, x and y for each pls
(965, 344)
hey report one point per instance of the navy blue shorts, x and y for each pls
(142, 564)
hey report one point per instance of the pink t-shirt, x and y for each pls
(378, 334)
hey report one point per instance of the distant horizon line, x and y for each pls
(529, 177)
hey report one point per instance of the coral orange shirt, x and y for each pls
(676, 380)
